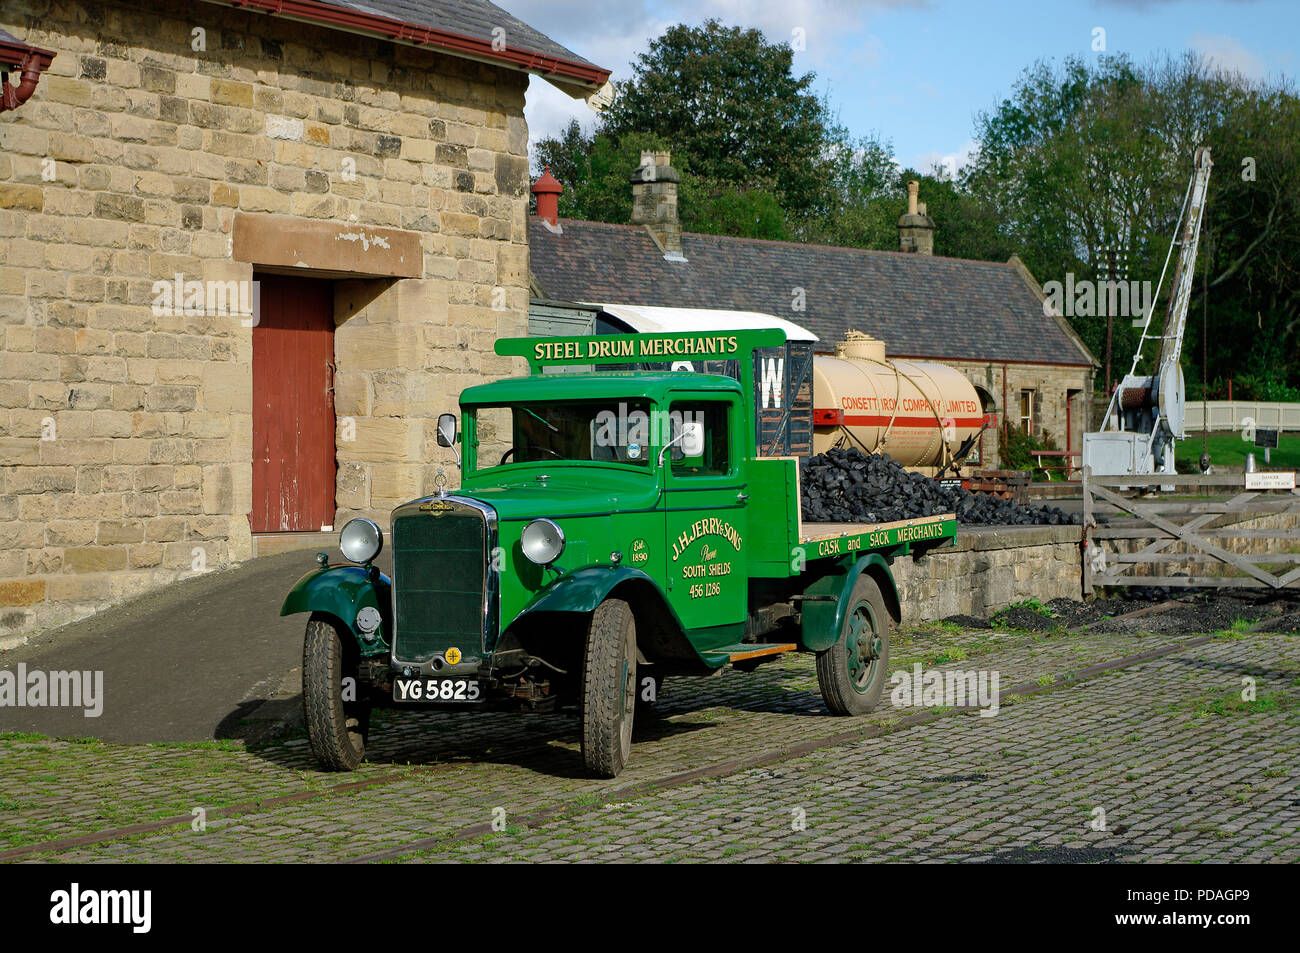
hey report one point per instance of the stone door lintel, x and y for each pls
(304, 246)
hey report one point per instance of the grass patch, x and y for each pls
(1230, 702)
(1006, 618)
(220, 744)
(21, 736)
(938, 628)
(1227, 449)
(1033, 605)
(1237, 631)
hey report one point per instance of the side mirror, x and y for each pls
(693, 438)
(689, 441)
(446, 430)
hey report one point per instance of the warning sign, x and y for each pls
(1284, 480)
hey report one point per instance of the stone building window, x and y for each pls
(1027, 411)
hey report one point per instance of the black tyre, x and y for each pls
(336, 728)
(852, 673)
(609, 689)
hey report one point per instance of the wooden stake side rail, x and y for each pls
(1194, 524)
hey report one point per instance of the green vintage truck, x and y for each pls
(637, 524)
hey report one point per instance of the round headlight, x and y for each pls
(542, 541)
(361, 540)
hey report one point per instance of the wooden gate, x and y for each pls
(1185, 533)
(293, 406)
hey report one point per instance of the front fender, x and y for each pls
(343, 591)
(823, 619)
(661, 638)
(583, 589)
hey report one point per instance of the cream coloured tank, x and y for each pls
(918, 412)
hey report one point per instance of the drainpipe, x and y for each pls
(1005, 428)
(33, 62)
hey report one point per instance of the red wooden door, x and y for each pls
(293, 406)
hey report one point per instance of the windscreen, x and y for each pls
(604, 431)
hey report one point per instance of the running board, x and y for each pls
(748, 650)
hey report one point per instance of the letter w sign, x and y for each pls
(771, 381)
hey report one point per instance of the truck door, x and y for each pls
(705, 515)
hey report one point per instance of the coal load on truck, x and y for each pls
(849, 486)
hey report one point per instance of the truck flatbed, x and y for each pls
(836, 539)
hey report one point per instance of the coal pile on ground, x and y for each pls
(1191, 612)
(849, 486)
(1220, 611)
(1026, 619)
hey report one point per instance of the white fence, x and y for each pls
(1229, 414)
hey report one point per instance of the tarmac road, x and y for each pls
(189, 663)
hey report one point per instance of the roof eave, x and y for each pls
(15, 54)
(567, 75)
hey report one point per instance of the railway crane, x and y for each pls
(1146, 412)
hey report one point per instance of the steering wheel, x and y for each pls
(557, 456)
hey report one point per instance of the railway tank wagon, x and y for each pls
(924, 415)
(927, 416)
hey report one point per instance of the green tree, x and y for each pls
(732, 101)
(1092, 156)
(596, 172)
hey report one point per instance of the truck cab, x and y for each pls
(611, 527)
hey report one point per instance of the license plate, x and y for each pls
(441, 690)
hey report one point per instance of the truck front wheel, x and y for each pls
(851, 673)
(333, 700)
(609, 689)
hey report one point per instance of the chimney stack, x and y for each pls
(916, 228)
(547, 189)
(654, 201)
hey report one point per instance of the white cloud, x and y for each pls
(823, 23)
(613, 37)
(1228, 53)
(948, 162)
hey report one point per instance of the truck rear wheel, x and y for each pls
(852, 672)
(337, 728)
(609, 689)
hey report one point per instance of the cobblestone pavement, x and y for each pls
(1181, 766)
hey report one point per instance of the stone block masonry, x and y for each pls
(161, 137)
(990, 568)
(1061, 402)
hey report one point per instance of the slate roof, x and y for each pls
(461, 27)
(919, 305)
(476, 18)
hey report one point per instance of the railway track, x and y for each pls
(586, 803)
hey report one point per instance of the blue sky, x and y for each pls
(917, 71)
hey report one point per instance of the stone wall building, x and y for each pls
(248, 252)
(988, 319)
